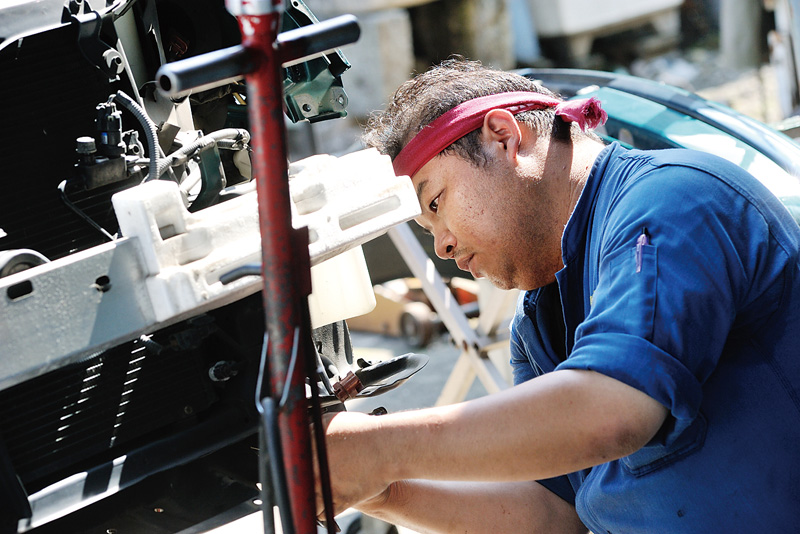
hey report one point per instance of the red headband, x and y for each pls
(468, 116)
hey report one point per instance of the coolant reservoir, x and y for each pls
(341, 288)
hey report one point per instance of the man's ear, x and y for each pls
(501, 128)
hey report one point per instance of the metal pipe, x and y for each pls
(203, 72)
(307, 42)
(285, 260)
(228, 65)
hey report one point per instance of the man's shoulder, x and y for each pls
(676, 169)
(681, 158)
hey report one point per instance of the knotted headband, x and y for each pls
(468, 116)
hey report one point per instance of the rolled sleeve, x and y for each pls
(641, 365)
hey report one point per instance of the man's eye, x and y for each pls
(434, 205)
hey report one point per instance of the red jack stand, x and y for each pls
(285, 261)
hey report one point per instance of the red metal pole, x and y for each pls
(284, 259)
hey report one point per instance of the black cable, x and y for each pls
(280, 491)
(319, 439)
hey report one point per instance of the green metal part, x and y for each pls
(312, 90)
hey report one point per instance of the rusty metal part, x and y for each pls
(348, 387)
(285, 266)
(285, 262)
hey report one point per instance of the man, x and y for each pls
(653, 352)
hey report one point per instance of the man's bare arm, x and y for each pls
(431, 507)
(554, 424)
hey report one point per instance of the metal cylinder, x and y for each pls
(203, 72)
(229, 65)
(285, 263)
(306, 42)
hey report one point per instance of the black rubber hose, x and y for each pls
(150, 131)
(182, 154)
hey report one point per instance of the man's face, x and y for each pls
(491, 221)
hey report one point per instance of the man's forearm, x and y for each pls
(475, 508)
(554, 424)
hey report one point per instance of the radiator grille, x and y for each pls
(69, 415)
(48, 95)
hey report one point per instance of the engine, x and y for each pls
(132, 328)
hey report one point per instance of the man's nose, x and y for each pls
(444, 244)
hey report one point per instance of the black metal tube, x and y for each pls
(203, 72)
(230, 64)
(306, 42)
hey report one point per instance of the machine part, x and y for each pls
(101, 171)
(202, 73)
(239, 139)
(46, 62)
(213, 179)
(86, 149)
(169, 264)
(270, 436)
(112, 400)
(348, 387)
(223, 370)
(100, 161)
(15, 261)
(297, 14)
(386, 375)
(266, 472)
(356, 196)
(318, 428)
(311, 83)
(105, 58)
(109, 127)
(313, 89)
(104, 480)
(332, 343)
(133, 145)
(285, 270)
(15, 500)
(370, 379)
(154, 150)
(153, 346)
(362, 202)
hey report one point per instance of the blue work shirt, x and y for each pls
(681, 280)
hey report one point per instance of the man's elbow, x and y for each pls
(624, 419)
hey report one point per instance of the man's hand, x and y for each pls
(353, 461)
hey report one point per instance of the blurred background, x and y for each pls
(741, 53)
